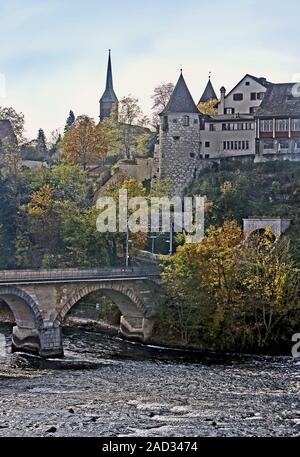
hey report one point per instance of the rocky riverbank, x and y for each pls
(130, 390)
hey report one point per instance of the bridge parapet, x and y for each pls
(73, 274)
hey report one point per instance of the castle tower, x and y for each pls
(179, 139)
(209, 93)
(109, 98)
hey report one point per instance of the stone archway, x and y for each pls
(23, 307)
(28, 318)
(133, 323)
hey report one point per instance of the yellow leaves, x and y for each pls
(85, 143)
(41, 201)
(209, 107)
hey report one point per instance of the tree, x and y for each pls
(11, 160)
(161, 96)
(272, 284)
(244, 295)
(41, 144)
(17, 121)
(209, 107)
(84, 143)
(132, 122)
(54, 146)
(70, 121)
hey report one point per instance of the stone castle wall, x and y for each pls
(179, 151)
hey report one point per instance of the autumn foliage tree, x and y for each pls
(227, 293)
(85, 143)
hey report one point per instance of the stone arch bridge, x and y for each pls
(40, 300)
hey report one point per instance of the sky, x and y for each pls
(53, 54)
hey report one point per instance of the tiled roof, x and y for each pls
(208, 94)
(181, 100)
(280, 100)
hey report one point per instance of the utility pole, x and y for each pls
(171, 237)
(127, 248)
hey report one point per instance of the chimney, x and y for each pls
(222, 100)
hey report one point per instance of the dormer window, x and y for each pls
(186, 121)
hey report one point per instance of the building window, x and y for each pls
(237, 97)
(266, 125)
(201, 156)
(229, 111)
(253, 96)
(296, 125)
(252, 109)
(247, 83)
(224, 145)
(206, 156)
(212, 127)
(195, 121)
(207, 144)
(282, 125)
(192, 155)
(283, 144)
(269, 145)
(297, 145)
(186, 121)
(175, 120)
(240, 126)
(165, 126)
(176, 138)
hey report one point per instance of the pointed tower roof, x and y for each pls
(209, 93)
(109, 94)
(181, 100)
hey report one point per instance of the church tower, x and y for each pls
(177, 153)
(109, 98)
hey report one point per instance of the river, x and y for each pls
(109, 387)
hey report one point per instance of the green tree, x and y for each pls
(70, 121)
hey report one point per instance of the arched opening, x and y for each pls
(131, 313)
(261, 234)
(96, 308)
(27, 318)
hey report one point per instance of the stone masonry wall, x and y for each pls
(179, 151)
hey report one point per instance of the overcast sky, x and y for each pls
(53, 54)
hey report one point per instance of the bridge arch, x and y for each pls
(25, 310)
(124, 297)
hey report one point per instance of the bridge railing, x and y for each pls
(75, 273)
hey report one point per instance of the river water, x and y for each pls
(109, 387)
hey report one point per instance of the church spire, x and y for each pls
(109, 97)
